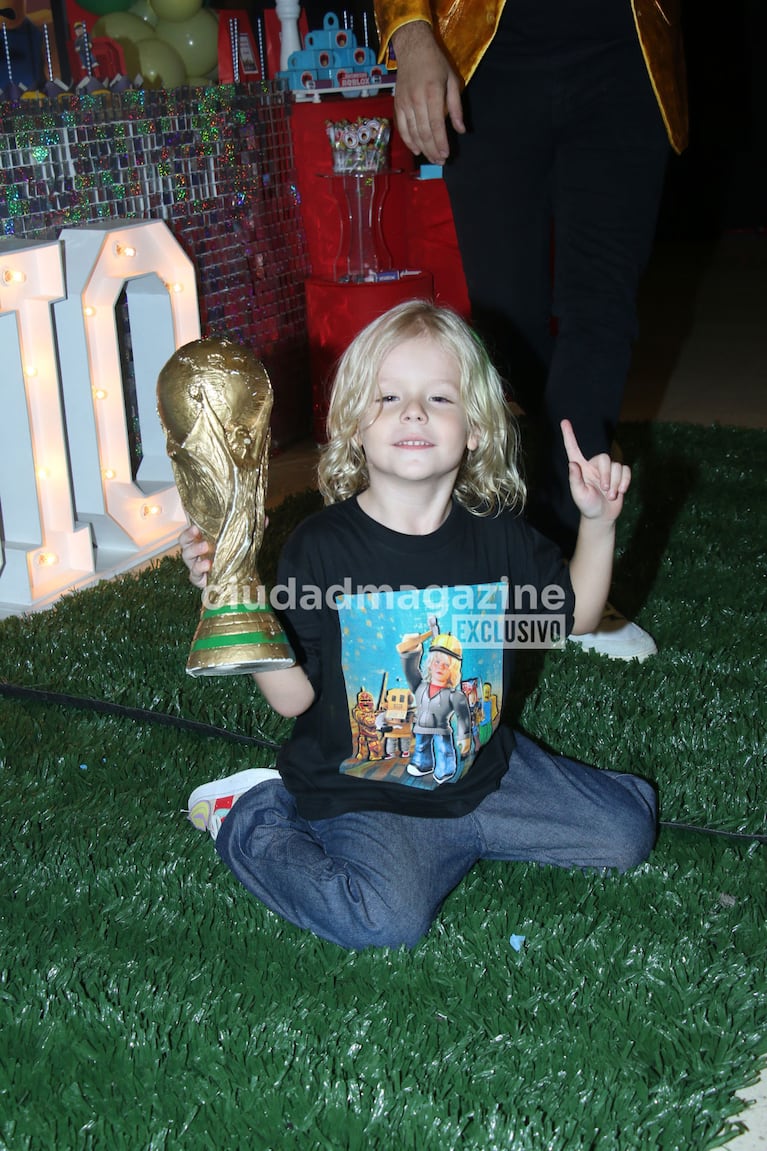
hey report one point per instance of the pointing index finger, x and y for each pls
(574, 453)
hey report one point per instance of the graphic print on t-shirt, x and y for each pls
(421, 703)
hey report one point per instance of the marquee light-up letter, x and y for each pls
(145, 260)
(47, 554)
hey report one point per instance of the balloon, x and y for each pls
(126, 30)
(176, 9)
(144, 10)
(101, 7)
(159, 64)
(195, 40)
(122, 26)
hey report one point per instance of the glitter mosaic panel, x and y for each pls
(215, 164)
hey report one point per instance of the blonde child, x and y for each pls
(422, 545)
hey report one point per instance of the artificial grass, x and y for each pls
(148, 1002)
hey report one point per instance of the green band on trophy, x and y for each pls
(207, 643)
(234, 609)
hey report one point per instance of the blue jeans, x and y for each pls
(374, 878)
(435, 753)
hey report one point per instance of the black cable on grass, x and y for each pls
(145, 715)
(752, 836)
(139, 714)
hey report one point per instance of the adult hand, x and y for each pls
(427, 91)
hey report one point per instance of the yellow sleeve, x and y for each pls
(391, 15)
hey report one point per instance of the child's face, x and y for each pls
(416, 429)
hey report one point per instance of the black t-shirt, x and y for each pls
(407, 641)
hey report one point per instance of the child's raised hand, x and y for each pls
(194, 553)
(597, 485)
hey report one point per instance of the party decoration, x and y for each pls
(125, 30)
(48, 553)
(241, 57)
(21, 51)
(195, 39)
(213, 163)
(360, 146)
(160, 64)
(144, 10)
(360, 151)
(64, 434)
(120, 473)
(122, 26)
(289, 14)
(333, 59)
(176, 10)
(214, 400)
(102, 7)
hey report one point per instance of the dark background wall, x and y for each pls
(720, 182)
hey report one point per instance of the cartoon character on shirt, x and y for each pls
(470, 688)
(489, 713)
(369, 742)
(395, 722)
(439, 704)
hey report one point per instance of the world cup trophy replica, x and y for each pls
(214, 400)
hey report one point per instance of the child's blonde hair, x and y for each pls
(489, 479)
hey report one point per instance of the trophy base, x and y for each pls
(244, 664)
(238, 639)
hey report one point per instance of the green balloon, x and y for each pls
(122, 26)
(144, 10)
(176, 9)
(160, 64)
(195, 40)
(102, 7)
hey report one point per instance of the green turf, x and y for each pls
(146, 1001)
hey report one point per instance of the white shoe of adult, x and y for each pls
(617, 638)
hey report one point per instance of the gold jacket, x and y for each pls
(464, 29)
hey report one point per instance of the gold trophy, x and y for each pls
(214, 400)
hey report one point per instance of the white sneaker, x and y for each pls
(209, 804)
(617, 638)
